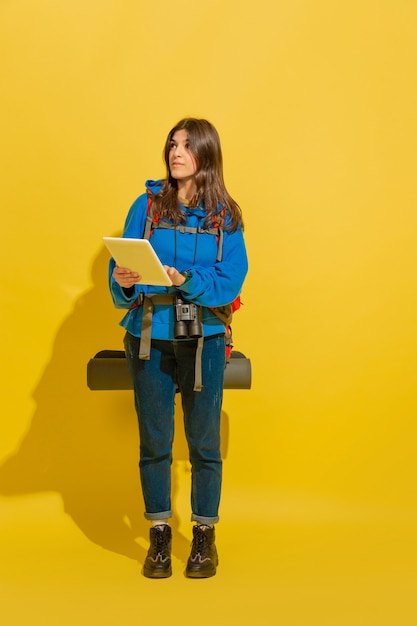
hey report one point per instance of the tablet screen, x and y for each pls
(138, 256)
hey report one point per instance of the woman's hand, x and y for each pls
(177, 278)
(125, 277)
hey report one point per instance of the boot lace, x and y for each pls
(200, 546)
(160, 543)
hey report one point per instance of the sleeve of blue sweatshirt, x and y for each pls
(221, 283)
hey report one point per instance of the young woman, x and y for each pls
(197, 232)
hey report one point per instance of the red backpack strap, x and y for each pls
(236, 304)
(151, 217)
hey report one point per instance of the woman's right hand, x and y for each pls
(125, 277)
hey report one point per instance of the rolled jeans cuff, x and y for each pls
(200, 519)
(158, 516)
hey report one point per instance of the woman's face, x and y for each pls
(182, 162)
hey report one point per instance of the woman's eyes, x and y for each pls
(174, 145)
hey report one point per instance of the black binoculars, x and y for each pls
(187, 323)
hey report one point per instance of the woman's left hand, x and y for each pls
(177, 278)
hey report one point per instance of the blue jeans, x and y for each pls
(155, 382)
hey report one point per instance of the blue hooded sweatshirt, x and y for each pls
(211, 283)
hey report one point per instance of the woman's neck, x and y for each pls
(186, 189)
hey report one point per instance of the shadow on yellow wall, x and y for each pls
(84, 445)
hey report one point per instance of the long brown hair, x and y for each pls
(204, 144)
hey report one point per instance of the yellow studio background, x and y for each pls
(315, 103)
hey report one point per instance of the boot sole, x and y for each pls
(201, 573)
(150, 574)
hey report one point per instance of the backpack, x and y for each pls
(225, 312)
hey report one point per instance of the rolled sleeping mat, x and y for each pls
(107, 370)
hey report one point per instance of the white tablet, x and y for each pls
(139, 256)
